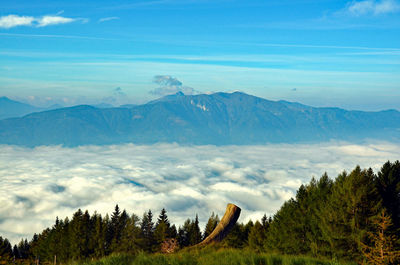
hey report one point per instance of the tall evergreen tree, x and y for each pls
(194, 232)
(131, 238)
(113, 233)
(212, 222)
(381, 250)
(257, 237)
(184, 234)
(147, 227)
(6, 252)
(162, 229)
(353, 203)
(77, 232)
(99, 235)
(388, 185)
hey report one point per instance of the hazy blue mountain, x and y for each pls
(11, 108)
(103, 106)
(220, 118)
(128, 106)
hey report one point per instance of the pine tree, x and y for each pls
(388, 185)
(15, 252)
(238, 236)
(147, 227)
(6, 252)
(23, 249)
(211, 224)
(184, 234)
(162, 229)
(347, 216)
(99, 235)
(114, 229)
(131, 238)
(76, 232)
(194, 232)
(118, 223)
(257, 237)
(381, 250)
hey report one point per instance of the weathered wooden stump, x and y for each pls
(229, 219)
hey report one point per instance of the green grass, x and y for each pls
(209, 256)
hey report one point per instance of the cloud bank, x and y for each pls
(12, 21)
(36, 185)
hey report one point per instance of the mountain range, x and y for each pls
(219, 118)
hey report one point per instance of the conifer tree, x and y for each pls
(388, 185)
(6, 252)
(147, 227)
(184, 234)
(195, 233)
(131, 238)
(99, 235)
(76, 235)
(239, 235)
(15, 252)
(23, 249)
(353, 203)
(113, 229)
(381, 250)
(257, 237)
(212, 222)
(162, 229)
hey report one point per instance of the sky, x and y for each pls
(320, 53)
(38, 184)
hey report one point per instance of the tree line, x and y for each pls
(355, 216)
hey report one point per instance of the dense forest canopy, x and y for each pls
(355, 217)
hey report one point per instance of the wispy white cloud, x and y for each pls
(104, 19)
(53, 20)
(12, 21)
(372, 7)
(36, 185)
(52, 36)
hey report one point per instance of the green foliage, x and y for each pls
(6, 252)
(211, 224)
(147, 227)
(257, 237)
(210, 256)
(163, 229)
(388, 185)
(189, 234)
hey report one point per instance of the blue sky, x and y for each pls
(321, 53)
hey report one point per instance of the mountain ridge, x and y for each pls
(219, 118)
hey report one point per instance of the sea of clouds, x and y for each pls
(38, 184)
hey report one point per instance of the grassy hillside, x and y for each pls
(209, 256)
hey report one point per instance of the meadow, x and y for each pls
(210, 256)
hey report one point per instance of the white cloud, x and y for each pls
(11, 21)
(36, 185)
(104, 19)
(53, 20)
(367, 7)
(170, 85)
